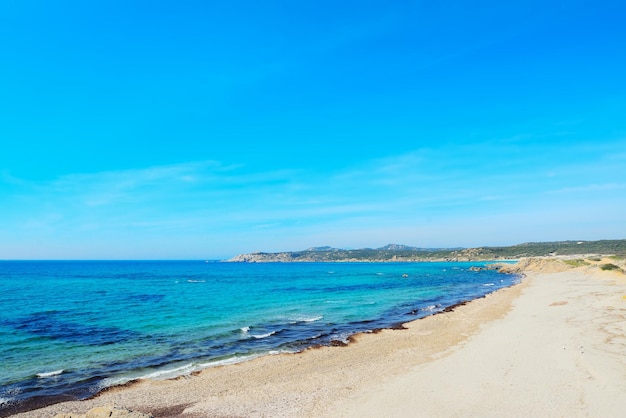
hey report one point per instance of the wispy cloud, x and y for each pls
(105, 188)
(590, 188)
(406, 193)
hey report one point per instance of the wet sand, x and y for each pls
(555, 345)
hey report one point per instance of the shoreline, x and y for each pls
(560, 351)
(325, 381)
(295, 331)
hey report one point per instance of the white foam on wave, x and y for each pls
(5, 400)
(430, 308)
(277, 352)
(245, 332)
(113, 381)
(307, 319)
(185, 370)
(50, 374)
(228, 361)
(261, 336)
(170, 373)
(343, 337)
(162, 374)
(489, 284)
(196, 281)
(335, 302)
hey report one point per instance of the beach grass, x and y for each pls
(609, 266)
(578, 262)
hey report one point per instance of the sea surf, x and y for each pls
(70, 329)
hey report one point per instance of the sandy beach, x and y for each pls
(552, 346)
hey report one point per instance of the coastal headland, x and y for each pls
(399, 253)
(551, 346)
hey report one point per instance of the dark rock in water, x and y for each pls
(453, 307)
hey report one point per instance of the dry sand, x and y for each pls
(553, 346)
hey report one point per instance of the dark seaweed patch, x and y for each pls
(146, 298)
(51, 325)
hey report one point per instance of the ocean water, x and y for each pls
(69, 329)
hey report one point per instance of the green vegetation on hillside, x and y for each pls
(405, 253)
(535, 249)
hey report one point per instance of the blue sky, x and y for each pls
(198, 129)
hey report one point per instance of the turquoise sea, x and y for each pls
(69, 329)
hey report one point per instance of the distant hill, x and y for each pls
(400, 247)
(398, 252)
(396, 247)
(326, 248)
